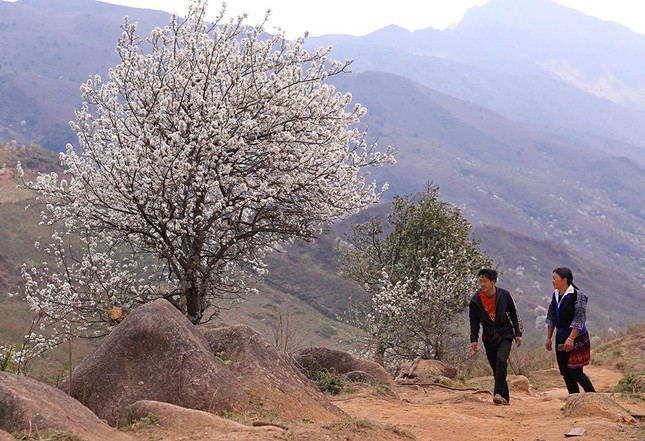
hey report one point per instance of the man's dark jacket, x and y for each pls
(507, 325)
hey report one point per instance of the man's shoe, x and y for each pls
(500, 400)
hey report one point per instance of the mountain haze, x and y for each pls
(495, 169)
(49, 48)
(538, 38)
(532, 61)
(529, 116)
(535, 201)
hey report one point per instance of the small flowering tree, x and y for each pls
(419, 269)
(208, 145)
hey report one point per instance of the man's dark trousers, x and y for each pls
(497, 354)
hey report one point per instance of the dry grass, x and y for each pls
(46, 435)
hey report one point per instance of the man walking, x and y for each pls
(494, 309)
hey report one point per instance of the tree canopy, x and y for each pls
(208, 145)
(419, 267)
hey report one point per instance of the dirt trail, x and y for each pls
(435, 413)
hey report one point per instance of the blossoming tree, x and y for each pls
(209, 145)
(419, 268)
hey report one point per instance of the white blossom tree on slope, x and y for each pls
(209, 145)
(419, 267)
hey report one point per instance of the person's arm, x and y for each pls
(516, 320)
(549, 322)
(579, 313)
(473, 315)
(549, 338)
(579, 318)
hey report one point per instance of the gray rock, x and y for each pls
(27, 404)
(155, 354)
(270, 377)
(339, 362)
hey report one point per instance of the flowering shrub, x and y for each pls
(420, 268)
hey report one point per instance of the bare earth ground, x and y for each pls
(440, 414)
(429, 413)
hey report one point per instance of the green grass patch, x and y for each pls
(631, 383)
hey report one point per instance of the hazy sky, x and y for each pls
(360, 17)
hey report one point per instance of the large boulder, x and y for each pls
(271, 379)
(596, 405)
(27, 404)
(341, 363)
(154, 354)
(187, 424)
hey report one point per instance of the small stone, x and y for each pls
(576, 431)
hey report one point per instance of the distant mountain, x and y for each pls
(548, 169)
(537, 37)
(502, 174)
(49, 48)
(529, 36)
(532, 61)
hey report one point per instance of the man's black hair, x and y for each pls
(490, 274)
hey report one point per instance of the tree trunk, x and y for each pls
(379, 351)
(194, 302)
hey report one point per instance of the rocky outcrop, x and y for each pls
(340, 362)
(270, 378)
(154, 354)
(29, 405)
(596, 405)
(157, 354)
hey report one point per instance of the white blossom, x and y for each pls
(207, 146)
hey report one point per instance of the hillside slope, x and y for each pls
(503, 174)
(538, 197)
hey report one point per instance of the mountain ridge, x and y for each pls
(574, 185)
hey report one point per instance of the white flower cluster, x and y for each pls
(416, 315)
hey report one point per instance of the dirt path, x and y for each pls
(430, 413)
(434, 413)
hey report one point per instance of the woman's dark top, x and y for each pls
(566, 312)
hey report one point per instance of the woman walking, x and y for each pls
(567, 315)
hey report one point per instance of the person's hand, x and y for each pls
(568, 345)
(548, 344)
(474, 346)
(518, 341)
